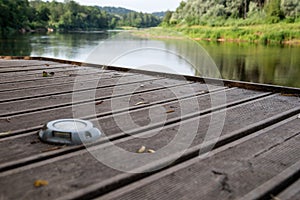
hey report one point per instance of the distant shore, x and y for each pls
(288, 34)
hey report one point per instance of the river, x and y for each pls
(279, 65)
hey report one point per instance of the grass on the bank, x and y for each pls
(268, 33)
(125, 28)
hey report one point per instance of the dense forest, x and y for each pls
(39, 15)
(126, 17)
(229, 12)
(116, 10)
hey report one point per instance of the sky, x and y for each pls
(137, 5)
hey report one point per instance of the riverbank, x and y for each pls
(281, 33)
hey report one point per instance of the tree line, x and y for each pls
(69, 15)
(224, 12)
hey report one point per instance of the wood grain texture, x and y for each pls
(226, 173)
(252, 134)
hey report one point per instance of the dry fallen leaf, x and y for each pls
(98, 103)
(204, 92)
(140, 103)
(51, 149)
(40, 183)
(170, 111)
(5, 133)
(45, 74)
(151, 151)
(274, 197)
(142, 149)
(26, 58)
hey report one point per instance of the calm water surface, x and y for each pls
(278, 65)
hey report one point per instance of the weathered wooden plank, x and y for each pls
(38, 72)
(292, 192)
(81, 170)
(229, 172)
(74, 174)
(47, 81)
(42, 103)
(39, 155)
(31, 77)
(24, 63)
(180, 110)
(67, 110)
(45, 67)
(237, 120)
(13, 79)
(68, 88)
(8, 153)
(270, 188)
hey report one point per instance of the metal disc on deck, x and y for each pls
(69, 131)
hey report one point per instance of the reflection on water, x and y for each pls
(126, 50)
(74, 46)
(257, 63)
(247, 62)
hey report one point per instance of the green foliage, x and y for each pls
(231, 12)
(37, 14)
(115, 10)
(14, 14)
(273, 11)
(167, 18)
(139, 20)
(265, 34)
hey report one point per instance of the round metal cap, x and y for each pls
(69, 131)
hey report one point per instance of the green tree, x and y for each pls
(273, 11)
(14, 14)
(167, 18)
(291, 9)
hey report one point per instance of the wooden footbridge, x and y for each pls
(253, 152)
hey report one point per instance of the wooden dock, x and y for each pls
(256, 155)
